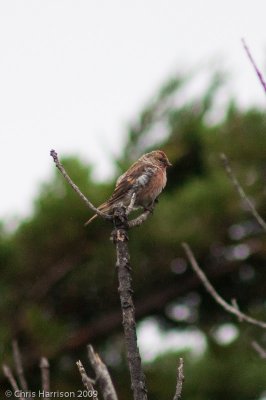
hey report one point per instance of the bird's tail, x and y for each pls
(90, 220)
(103, 207)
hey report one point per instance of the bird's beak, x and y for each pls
(169, 164)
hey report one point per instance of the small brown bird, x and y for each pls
(146, 178)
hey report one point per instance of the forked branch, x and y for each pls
(131, 224)
(21, 387)
(232, 309)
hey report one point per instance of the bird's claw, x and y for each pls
(149, 208)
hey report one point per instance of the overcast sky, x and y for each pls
(74, 73)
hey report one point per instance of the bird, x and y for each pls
(145, 179)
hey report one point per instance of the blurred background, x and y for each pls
(102, 84)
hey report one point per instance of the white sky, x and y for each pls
(74, 73)
(154, 341)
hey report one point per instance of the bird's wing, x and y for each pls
(137, 175)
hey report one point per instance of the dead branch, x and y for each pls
(139, 220)
(211, 290)
(130, 208)
(58, 164)
(259, 74)
(102, 375)
(259, 349)
(19, 366)
(241, 192)
(180, 380)
(24, 388)
(45, 375)
(120, 238)
(9, 375)
(87, 382)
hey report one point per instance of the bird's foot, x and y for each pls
(150, 208)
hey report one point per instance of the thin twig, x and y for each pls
(139, 220)
(259, 349)
(120, 238)
(87, 382)
(102, 375)
(45, 375)
(74, 186)
(131, 204)
(18, 366)
(9, 375)
(259, 74)
(241, 192)
(236, 306)
(211, 290)
(180, 380)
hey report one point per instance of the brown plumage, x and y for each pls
(146, 178)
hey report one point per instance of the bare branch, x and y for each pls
(74, 186)
(131, 205)
(9, 375)
(139, 220)
(259, 74)
(45, 375)
(241, 192)
(259, 349)
(120, 238)
(180, 380)
(236, 306)
(87, 382)
(102, 375)
(18, 366)
(211, 290)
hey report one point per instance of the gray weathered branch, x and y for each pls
(120, 238)
(19, 366)
(87, 382)
(53, 153)
(259, 349)
(45, 375)
(9, 375)
(180, 380)
(103, 377)
(211, 290)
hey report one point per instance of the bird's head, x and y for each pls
(158, 157)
